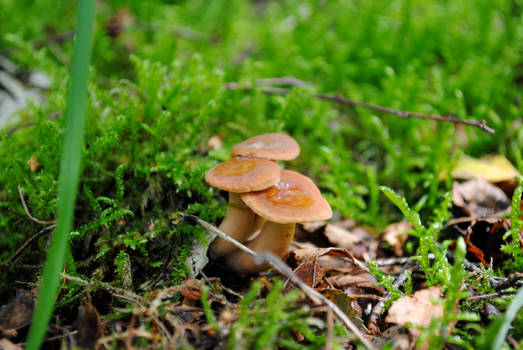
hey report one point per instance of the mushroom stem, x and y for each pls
(274, 237)
(237, 224)
(257, 226)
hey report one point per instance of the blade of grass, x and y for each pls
(69, 173)
(495, 335)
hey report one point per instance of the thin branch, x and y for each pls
(492, 295)
(28, 124)
(38, 221)
(277, 264)
(117, 292)
(346, 101)
(29, 241)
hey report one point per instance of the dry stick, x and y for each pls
(346, 101)
(29, 241)
(28, 124)
(492, 295)
(43, 222)
(281, 267)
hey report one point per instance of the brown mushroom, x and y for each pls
(238, 175)
(274, 146)
(294, 199)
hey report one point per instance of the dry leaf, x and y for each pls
(396, 235)
(416, 309)
(18, 312)
(89, 328)
(479, 198)
(33, 163)
(487, 236)
(310, 273)
(345, 303)
(7, 345)
(397, 336)
(360, 242)
(492, 168)
(314, 226)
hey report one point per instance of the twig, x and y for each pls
(29, 241)
(456, 221)
(284, 81)
(330, 331)
(43, 222)
(28, 124)
(281, 267)
(346, 101)
(515, 280)
(376, 310)
(492, 295)
(117, 292)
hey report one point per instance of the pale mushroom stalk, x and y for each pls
(274, 237)
(237, 224)
(237, 175)
(257, 225)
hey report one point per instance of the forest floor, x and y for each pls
(408, 116)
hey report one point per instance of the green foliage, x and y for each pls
(436, 335)
(268, 323)
(516, 227)
(494, 338)
(440, 270)
(69, 175)
(386, 281)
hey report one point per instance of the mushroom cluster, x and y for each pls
(265, 203)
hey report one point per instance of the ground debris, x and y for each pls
(479, 198)
(17, 313)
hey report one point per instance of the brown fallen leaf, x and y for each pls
(396, 235)
(309, 272)
(492, 168)
(18, 312)
(7, 345)
(89, 328)
(479, 198)
(398, 336)
(348, 305)
(487, 236)
(358, 240)
(416, 309)
(475, 251)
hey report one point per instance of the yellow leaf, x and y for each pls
(493, 168)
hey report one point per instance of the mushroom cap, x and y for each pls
(295, 198)
(271, 146)
(241, 174)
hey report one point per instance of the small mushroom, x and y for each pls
(294, 199)
(274, 146)
(238, 175)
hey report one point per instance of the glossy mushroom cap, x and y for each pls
(241, 174)
(295, 198)
(270, 146)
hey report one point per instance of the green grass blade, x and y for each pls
(499, 328)
(69, 173)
